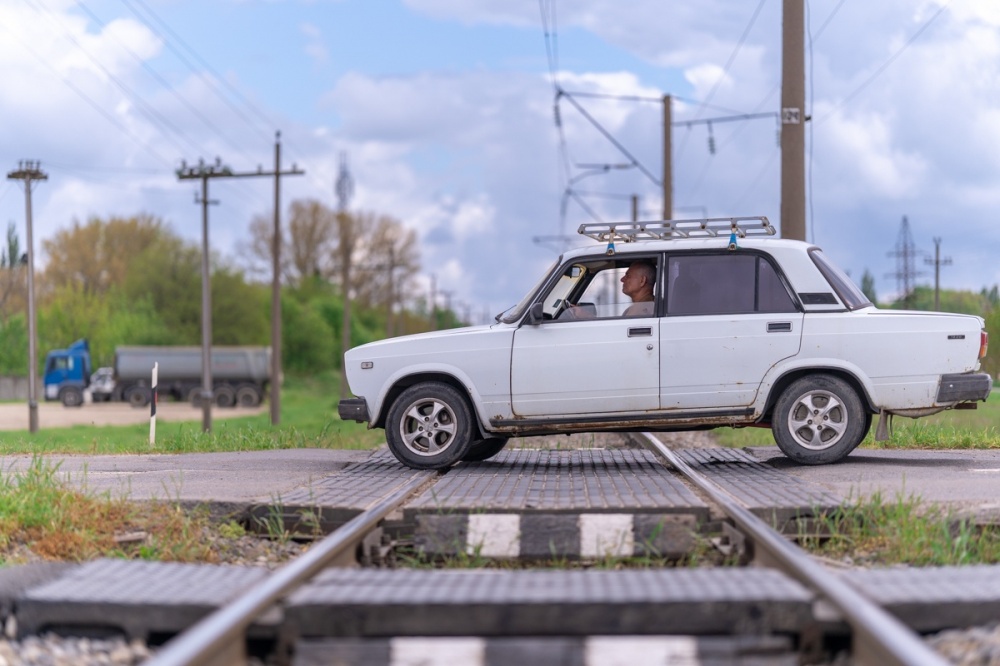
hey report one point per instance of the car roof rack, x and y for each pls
(628, 232)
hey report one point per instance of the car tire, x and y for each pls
(429, 426)
(819, 419)
(71, 397)
(484, 449)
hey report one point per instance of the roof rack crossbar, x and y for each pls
(628, 232)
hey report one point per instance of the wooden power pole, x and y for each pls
(30, 172)
(793, 119)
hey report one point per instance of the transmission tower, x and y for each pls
(906, 270)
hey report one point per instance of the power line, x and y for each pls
(141, 105)
(86, 98)
(736, 51)
(166, 84)
(215, 78)
(864, 84)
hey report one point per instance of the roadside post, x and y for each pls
(152, 406)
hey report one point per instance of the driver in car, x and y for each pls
(638, 284)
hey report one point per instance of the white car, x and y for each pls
(743, 330)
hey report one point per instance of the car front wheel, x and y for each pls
(818, 419)
(429, 426)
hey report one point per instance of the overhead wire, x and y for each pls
(215, 79)
(195, 111)
(885, 65)
(141, 105)
(725, 70)
(90, 101)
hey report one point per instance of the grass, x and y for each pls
(308, 419)
(879, 532)
(41, 518)
(950, 429)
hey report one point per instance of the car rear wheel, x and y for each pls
(819, 419)
(429, 426)
(484, 449)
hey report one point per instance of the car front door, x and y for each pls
(730, 318)
(582, 356)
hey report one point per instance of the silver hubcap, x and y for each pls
(428, 427)
(818, 420)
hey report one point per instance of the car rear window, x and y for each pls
(849, 293)
(725, 284)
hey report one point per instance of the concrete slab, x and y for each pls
(590, 651)
(136, 598)
(931, 599)
(772, 494)
(398, 602)
(530, 503)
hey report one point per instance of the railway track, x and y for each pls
(605, 506)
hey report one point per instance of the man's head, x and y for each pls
(638, 281)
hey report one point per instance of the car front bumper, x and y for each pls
(964, 387)
(353, 409)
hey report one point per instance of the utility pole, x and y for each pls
(793, 118)
(635, 207)
(668, 171)
(205, 172)
(937, 262)
(30, 172)
(344, 188)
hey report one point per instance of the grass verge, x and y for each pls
(875, 531)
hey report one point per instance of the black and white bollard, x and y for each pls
(152, 407)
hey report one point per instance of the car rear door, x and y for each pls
(730, 318)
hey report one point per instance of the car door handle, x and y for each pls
(640, 330)
(779, 326)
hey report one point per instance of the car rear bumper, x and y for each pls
(353, 409)
(963, 387)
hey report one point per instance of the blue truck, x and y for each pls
(240, 375)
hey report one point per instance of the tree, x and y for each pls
(868, 286)
(13, 279)
(389, 259)
(308, 244)
(99, 254)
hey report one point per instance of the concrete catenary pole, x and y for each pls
(793, 119)
(30, 172)
(276, 289)
(668, 169)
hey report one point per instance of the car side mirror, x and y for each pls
(535, 315)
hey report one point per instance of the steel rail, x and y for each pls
(879, 638)
(218, 638)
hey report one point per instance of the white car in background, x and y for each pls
(745, 330)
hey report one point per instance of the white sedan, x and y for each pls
(718, 324)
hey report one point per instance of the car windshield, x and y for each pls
(849, 293)
(511, 315)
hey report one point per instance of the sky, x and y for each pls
(445, 111)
